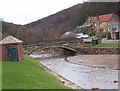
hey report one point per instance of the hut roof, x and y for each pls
(10, 40)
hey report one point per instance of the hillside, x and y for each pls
(55, 25)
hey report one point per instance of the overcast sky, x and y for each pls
(26, 11)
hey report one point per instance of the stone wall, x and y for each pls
(90, 51)
(73, 43)
(82, 48)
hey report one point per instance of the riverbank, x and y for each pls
(107, 45)
(62, 79)
(83, 76)
(102, 60)
(28, 74)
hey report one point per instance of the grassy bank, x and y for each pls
(0, 76)
(28, 74)
(107, 45)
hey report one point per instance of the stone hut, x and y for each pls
(11, 49)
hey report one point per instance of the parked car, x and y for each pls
(87, 40)
(82, 36)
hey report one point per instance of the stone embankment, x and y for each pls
(90, 51)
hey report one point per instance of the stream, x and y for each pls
(83, 76)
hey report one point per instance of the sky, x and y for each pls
(104, 0)
(26, 11)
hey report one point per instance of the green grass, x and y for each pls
(92, 36)
(0, 76)
(107, 45)
(28, 74)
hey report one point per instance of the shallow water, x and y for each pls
(44, 55)
(83, 76)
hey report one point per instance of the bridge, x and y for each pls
(66, 49)
(69, 46)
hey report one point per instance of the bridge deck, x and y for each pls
(67, 47)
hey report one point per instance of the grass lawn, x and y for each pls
(0, 76)
(107, 45)
(92, 36)
(28, 74)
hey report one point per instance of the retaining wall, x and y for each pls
(90, 51)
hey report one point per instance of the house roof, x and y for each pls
(94, 19)
(102, 18)
(10, 40)
(107, 17)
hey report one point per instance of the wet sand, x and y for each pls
(103, 61)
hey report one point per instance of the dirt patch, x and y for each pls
(107, 61)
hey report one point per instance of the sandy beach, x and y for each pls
(107, 61)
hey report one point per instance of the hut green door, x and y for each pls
(109, 35)
(12, 53)
(117, 35)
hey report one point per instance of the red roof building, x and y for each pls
(102, 18)
(103, 23)
(105, 18)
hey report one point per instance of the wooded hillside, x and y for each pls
(55, 25)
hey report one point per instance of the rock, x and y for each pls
(62, 81)
(95, 88)
(74, 70)
(116, 81)
(66, 59)
(42, 51)
(80, 62)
